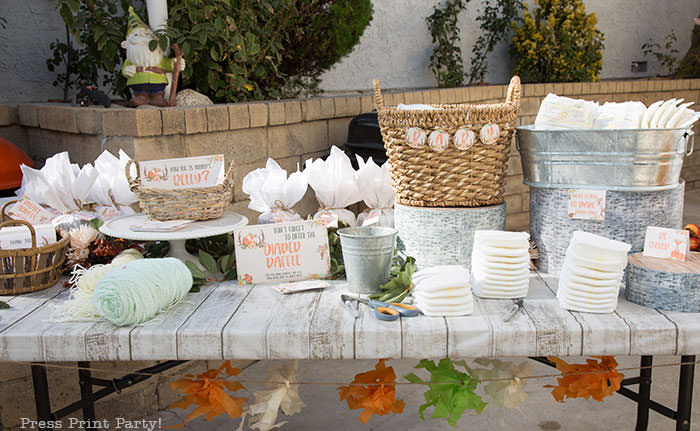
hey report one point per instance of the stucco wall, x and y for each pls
(395, 48)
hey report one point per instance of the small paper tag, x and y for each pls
(29, 211)
(15, 237)
(666, 243)
(372, 217)
(586, 204)
(183, 173)
(300, 286)
(159, 226)
(107, 212)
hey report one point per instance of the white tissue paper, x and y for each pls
(273, 194)
(557, 112)
(416, 107)
(627, 115)
(51, 185)
(374, 183)
(111, 186)
(335, 184)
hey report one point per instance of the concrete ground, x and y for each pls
(540, 412)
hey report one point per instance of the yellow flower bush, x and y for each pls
(559, 42)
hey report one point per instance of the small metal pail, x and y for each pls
(367, 253)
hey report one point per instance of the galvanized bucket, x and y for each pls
(367, 253)
(622, 159)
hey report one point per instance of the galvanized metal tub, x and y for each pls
(622, 159)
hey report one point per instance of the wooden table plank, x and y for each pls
(651, 333)
(469, 336)
(243, 336)
(157, 339)
(288, 331)
(22, 341)
(106, 342)
(557, 331)
(688, 324)
(376, 338)
(332, 331)
(200, 336)
(602, 334)
(23, 305)
(516, 337)
(423, 337)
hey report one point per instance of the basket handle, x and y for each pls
(8, 203)
(127, 172)
(514, 91)
(378, 100)
(21, 222)
(229, 174)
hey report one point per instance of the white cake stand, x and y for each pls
(120, 228)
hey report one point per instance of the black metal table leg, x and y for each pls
(85, 380)
(685, 393)
(644, 394)
(41, 394)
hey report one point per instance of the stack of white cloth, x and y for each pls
(501, 264)
(592, 273)
(443, 291)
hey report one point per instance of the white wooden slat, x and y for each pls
(106, 342)
(423, 337)
(469, 336)
(557, 331)
(22, 341)
(288, 331)
(332, 331)
(65, 341)
(602, 334)
(244, 335)
(200, 336)
(376, 338)
(157, 339)
(23, 305)
(516, 337)
(688, 324)
(651, 333)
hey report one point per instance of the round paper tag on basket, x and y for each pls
(464, 139)
(415, 137)
(439, 140)
(489, 133)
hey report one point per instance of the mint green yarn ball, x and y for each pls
(135, 292)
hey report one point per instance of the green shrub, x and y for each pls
(238, 50)
(689, 66)
(666, 55)
(560, 43)
(446, 59)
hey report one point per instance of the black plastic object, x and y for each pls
(365, 139)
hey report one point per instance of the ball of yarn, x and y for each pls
(137, 291)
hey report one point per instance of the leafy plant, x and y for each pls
(238, 50)
(666, 55)
(446, 59)
(336, 252)
(560, 43)
(98, 27)
(4, 305)
(401, 282)
(496, 20)
(689, 66)
(217, 256)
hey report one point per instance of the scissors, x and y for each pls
(383, 310)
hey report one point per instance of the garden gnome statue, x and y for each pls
(145, 69)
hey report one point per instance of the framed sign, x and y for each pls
(271, 253)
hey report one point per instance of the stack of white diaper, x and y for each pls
(443, 291)
(592, 273)
(501, 264)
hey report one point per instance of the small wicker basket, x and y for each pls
(202, 203)
(451, 177)
(30, 269)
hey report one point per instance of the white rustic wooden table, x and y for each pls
(226, 321)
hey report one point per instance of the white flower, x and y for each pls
(81, 237)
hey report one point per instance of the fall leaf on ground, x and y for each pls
(592, 379)
(282, 393)
(505, 381)
(451, 391)
(207, 392)
(374, 391)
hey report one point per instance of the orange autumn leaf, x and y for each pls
(207, 392)
(592, 379)
(373, 391)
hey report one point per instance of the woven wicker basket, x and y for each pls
(30, 269)
(202, 203)
(452, 177)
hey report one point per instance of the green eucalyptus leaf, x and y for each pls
(4, 305)
(197, 273)
(207, 261)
